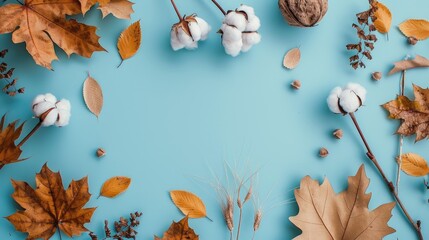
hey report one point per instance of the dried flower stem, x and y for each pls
(38, 125)
(177, 11)
(389, 184)
(401, 138)
(219, 6)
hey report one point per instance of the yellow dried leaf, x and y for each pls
(417, 28)
(115, 186)
(190, 204)
(384, 18)
(292, 58)
(93, 95)
(414, 165)
(129, 41)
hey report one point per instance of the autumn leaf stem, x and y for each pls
(177, 11)
(59, 232)
(39, 124)
(386, 180)
(219, 6)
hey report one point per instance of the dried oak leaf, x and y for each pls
(9, 151)
(115, 186)
(417, 62)
(40, 23)
(414, 165)
(383, 18)
(179, 231)
(323, 214)
(190, 204)
(292, 58)
(417, 28)
(129, 41)
(119, 8)
(414, 114)
(49, 206)
(93, 95)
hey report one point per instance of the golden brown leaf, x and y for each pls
(118, 8)
(179, 231)
(9, 151)
(49, 207)
(93, 95)
(129, 41)
(383, 18)
(292, 58)
(41, 23)
(414, 165)
(417, 62)
(115, 186)
(190, 204)
(323, 214)
(414, 114)
(417, 28)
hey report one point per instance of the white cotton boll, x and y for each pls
(175, 43)
(42, 107)
(247, 9)
(333, 100)
(50, 98)
(230, 33)
(195, 30)
(250, 39)
(349, 101)
(236, 20)
(51, 118)
(185, 39)
(253, 24)
(358, 90)
(232, 48)
(38, 99)
(204, 26)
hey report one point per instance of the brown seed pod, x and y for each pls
(303, 13)
(296, 84)
(100, 152)
(377, 76)
(338, 133)
(412, 40)
(323, 152)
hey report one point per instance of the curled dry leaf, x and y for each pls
(129, 41)
(323, 214)
(383, 19)
(49, 207)
(414, 115)
(115, 186)
(190, 204)
(417, 62)
(119, 8)
(179, 231)
(93, 95)
(417, 28)
(9, 151)
(292, 58)
(414, 165)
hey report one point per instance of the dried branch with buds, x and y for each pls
(6, 75)
(124, 228)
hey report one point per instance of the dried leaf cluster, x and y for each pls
(6, 75)
(365, 31)
(123, 228)
(323, 214)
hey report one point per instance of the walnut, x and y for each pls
(303, 13)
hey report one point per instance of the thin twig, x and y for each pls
(239, 223)
(401, 139)
(177, 12)
(388, 183)
(219, 6)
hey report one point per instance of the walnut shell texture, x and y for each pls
(303, 13)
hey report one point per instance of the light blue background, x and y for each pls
(170, 117)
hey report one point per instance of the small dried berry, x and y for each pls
(338, 133)
(101, 152)
(412, 40)
(296, 84)
(377, 76)
(323, 152)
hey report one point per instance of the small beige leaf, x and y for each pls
(115, 186)
(417, 62)
(93, 95)
(190, 204)
(414, 165)
(292, 58)
(129, 41)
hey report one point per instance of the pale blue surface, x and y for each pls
(171, 116)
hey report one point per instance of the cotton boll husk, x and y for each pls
(232, 48)
(358, 89)
(195, 30)
(253, 24)
(175, 43)
(237, 20)
(349, 101)
(51, 118)
(247, 9)
(333, 98)
(250, 39)
(42, 107)
(230, 33)
(204, 27)
(185, 39)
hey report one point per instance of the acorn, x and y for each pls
(296, 84)
(323, 152)
(377, 76)
(303, 13)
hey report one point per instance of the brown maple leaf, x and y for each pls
(118, 8)
(414, 114)
(50, 207)
(41, 23)
(179, 231)
(326, 215)
(9, 151)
